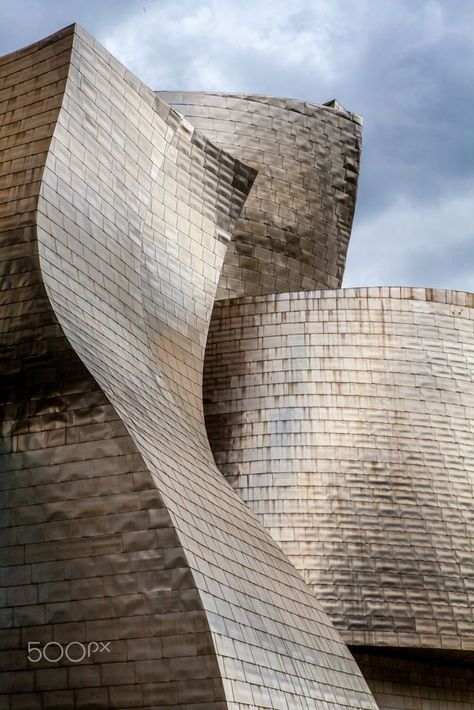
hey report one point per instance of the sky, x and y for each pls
(406, 66)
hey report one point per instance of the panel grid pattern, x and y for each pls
(345, 420)
(135, 211)
(410, 683)
(88, 550)
(294, 229)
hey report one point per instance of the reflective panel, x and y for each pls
(120, 528)
(345, 420)
(294, 230)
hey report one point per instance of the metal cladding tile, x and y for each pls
(120, 526)
(356, 450)
(406, 680)
(307, 157)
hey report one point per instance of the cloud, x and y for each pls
(216, 44)
(405, 65)
(26, 21)
(410, 244)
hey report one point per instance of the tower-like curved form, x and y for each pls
(133, 574)
(294, 230)
(119, 527)
(345, 420)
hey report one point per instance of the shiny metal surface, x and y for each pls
(118, 525)
(294, 230)
(89, 552)
(345, 421)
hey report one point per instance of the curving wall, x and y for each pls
(294, 230)
(88, 549)
(345, 420)
(119, 527)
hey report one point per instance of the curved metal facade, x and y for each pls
(345, 421)
(342, 418)
(294, 230)
(120, 528)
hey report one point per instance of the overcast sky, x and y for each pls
(407, 66)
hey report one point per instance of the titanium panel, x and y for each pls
(88, 551)
(107, 462)
(403, 681)
(294, 230)
(345, 420)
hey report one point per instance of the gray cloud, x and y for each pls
(405, 65)
(415, 243)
